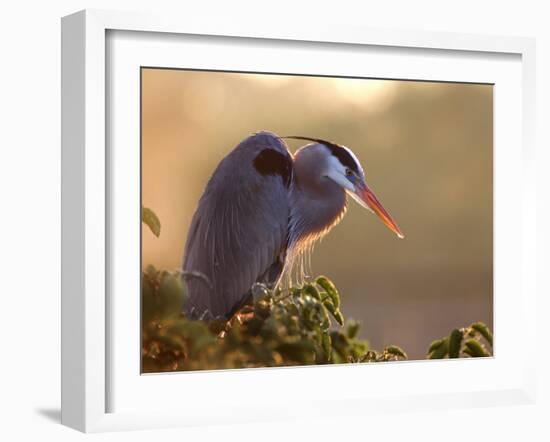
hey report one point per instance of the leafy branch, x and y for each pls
(299, 326)
(474, 341)
(304, 326)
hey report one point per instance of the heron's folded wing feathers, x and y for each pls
(240, 226)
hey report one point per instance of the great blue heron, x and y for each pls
(262, 209)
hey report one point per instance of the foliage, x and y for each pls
(474, 341)
(300, 326)
(149, 218)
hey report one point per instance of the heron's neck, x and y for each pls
(317, 205)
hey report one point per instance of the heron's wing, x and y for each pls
(238, 234)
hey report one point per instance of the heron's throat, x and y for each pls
(316, 203)
(315, 210)
(311, 218)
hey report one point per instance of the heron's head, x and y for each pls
(342, 167)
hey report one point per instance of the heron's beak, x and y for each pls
(366, 197)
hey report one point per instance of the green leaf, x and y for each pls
(149, 218)
(353, 328)
(484, 331)
(455, 342)
(327, 345)
(475, 349)
(339, 317)
(171, 294)
(300, 351)
(311, 290)
(341, 344)
(395, 351)
(438, 351)
(435, 345)
(330, 288)
(336, 313)
(323, 318)
(262, 309)
(369, 356)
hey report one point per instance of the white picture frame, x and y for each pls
(87, 207)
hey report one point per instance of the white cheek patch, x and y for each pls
(335, 165)
(337, 173)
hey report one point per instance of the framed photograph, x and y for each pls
(334, 221)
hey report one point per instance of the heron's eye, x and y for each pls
(349, 172)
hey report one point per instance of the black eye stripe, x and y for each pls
(336, 150)
(344, 157)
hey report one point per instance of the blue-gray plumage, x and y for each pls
(261, 211)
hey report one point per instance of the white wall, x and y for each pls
(30, 201)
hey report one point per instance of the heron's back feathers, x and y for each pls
(239, 232)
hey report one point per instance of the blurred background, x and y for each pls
(426, 148)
